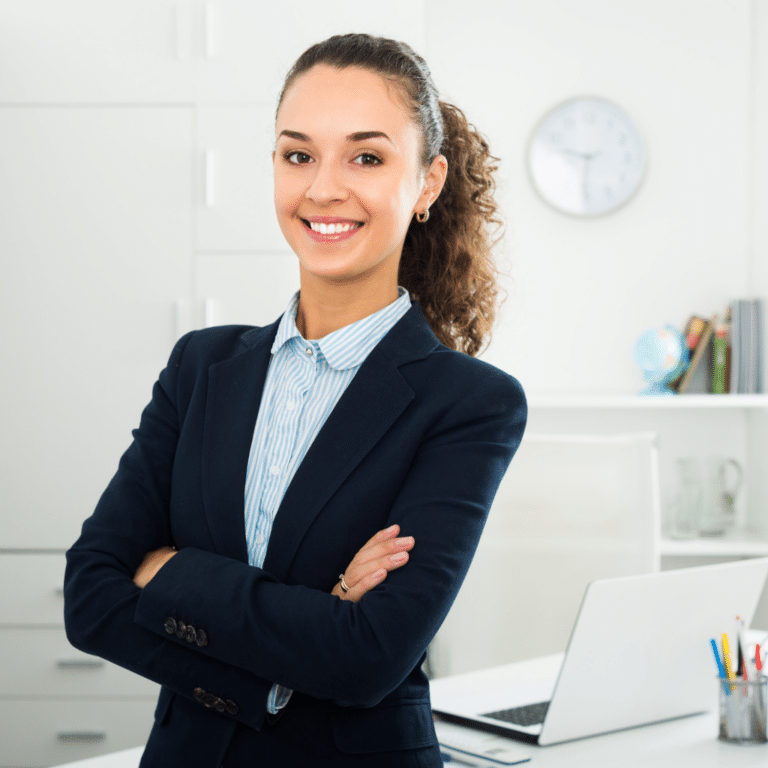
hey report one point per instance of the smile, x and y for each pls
(331, 232)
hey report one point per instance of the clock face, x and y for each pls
(586, 157)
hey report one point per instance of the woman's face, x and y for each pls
(347, 153)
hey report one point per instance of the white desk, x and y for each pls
(690, 742)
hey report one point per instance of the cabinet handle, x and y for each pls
(208, 170)
(183, 29)
(80, 663)
(90, 736)
(181, 325)
(210, 313)
(209, 30)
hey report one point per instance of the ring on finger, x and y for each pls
(343, 583)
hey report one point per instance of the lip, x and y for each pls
(320, 238)
(330, 220)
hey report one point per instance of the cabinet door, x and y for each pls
(57, 732)
(57, 52)
(95, 223)
(235, 201)
(252, 289)
(246, 52)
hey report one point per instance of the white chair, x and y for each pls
(570, 509)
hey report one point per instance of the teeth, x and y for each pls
(331, 229)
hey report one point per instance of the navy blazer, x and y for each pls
(421, 437)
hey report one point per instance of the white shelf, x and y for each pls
(714, 547)
(638, 401)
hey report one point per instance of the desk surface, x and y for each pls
(689, 742)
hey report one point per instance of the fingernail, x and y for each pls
(391, 529)
(406, 541)
(399, 557)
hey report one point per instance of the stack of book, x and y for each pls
(727, 354)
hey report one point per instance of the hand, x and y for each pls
(369, 567)
(151, 564)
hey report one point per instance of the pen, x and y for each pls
(741, 665)
(720, 668)
(727, 659)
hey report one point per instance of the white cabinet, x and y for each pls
(253, 289)
(235, 208)
(58, 704)
(96, 233)
(84, 51)
(247, 49)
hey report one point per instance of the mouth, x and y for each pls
(334, 228)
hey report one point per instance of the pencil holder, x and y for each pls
(743, 710)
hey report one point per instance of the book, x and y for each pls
(698, 356)
(719, 359)
(735, 347)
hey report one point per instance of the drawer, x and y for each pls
(45, 732)
(31, 588)
(41, 662)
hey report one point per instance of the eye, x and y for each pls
(298, 153)
(369, 157)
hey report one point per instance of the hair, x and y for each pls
(447, 263)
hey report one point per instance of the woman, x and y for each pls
(284, 630)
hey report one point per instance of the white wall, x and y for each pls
(584, 290)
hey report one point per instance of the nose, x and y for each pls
(327, 184)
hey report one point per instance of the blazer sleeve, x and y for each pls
(100, 598)
(357, 653)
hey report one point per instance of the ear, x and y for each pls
(434, 181)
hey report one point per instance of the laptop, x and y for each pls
(639, 653)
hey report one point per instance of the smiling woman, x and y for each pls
(301, 501)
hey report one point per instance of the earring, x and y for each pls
(421, 218)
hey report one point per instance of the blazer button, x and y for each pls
(170, 625)
(202, 638)
(190, 634)
(232, 708)
(209, 700)
(181, 629)
(219, 705)
(198, 693)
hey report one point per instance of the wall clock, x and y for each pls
(586, 157)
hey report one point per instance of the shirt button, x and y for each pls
(275, 470)
(308, 350)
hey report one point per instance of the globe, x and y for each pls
(663, 356)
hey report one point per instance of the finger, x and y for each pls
(366, 584)
(383, 535)
(361, 563)
(362, 574)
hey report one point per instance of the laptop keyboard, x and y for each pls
(530, 714)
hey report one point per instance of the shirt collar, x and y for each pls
(348, 346)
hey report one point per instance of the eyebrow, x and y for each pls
(359, 136)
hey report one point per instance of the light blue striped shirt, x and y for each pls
(305, 380)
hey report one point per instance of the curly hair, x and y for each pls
(447, 264)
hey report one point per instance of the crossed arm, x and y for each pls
(379, 555)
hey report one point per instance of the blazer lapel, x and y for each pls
(374, 399)
(235, 387)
